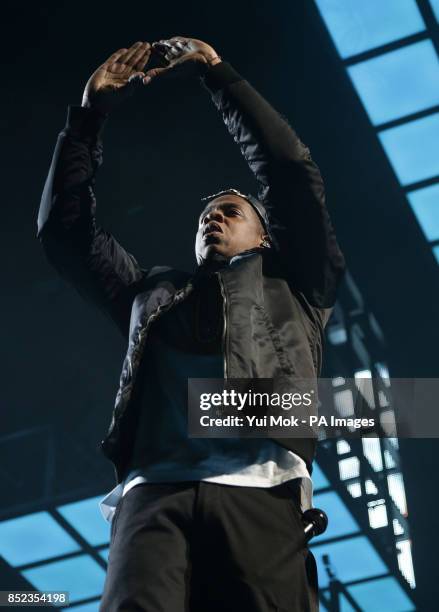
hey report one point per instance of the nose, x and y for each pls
(213, 215)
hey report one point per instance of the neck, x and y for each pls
(212, 265)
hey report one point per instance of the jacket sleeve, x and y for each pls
(290, 186)
(83, 253)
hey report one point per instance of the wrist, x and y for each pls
(93, 106)
(211, 56)
(220, 76)
(86, 122)
(86, 102)
(213, 60)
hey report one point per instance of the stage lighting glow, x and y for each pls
(412, 149)
(354, 559)
(341, 520)
(343, 447)
(344, 403)
(81, 576)
(398, 529)
(337, 334)
(359, 26)
(349, 468)
(394, 442)
(370, 486)
(435, 7)
(425, 205)
(397, 491)
(377, 512)
(381, 595)
(354, 489)
(318, 478)
(383, 372)
(405, 561)
(86, 518)
(32, 538)
(361, 374)
(389, 460)
(398, 83)
(338, 381)
(372, 452)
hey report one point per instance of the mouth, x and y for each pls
(212, 228)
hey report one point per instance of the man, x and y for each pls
(203, 524)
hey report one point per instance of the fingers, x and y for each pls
(115, 56)
(168, 50)
(176, 42)
(135, 81)
(135, 56)
(182, 65)
(140, 55)
(140, 65)
(132, 52)
(136, 77)
(178, 39)
(161, 47)
(154, 72)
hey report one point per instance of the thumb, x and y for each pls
(136, 79)
(154, 72)
(134, 82)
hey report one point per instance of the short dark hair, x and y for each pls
(256, 204)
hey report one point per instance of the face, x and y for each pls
(228, 225)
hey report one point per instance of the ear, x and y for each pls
(266, 241)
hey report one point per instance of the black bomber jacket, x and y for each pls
(276, 301)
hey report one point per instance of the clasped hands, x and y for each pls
(124, 70)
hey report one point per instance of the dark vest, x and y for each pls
(270, 331)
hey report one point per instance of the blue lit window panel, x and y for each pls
(319, 480)
(32, 538)
(398, 83)
(352, 559)
(81, 576)
(425, 205)
(436, 252)
(381, 596)
(359, 26)
(413, 149)
(345, 606)
(90, 607)
(435, 7)
(337, 334)
(341, 521)
(323, 608)
(87, 519)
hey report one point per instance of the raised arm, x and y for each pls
(290, 184)
(83, 253)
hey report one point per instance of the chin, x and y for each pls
(210, 252)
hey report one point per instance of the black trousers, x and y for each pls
(207, 547)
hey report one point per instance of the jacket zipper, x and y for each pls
(224, 337)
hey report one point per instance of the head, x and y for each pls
(228, 225)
